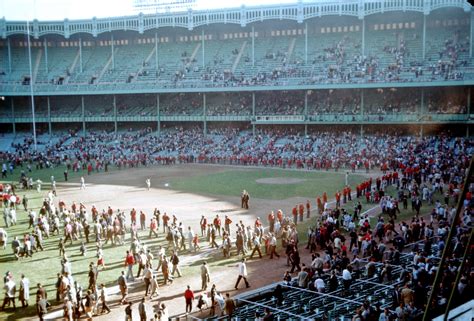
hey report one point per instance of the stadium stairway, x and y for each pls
(239, 56)
(37, 64)
(291, 49)
(107, 65)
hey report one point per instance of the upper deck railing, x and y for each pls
(242, 16)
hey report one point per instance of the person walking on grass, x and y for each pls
(242, 274)
(10, 290)
(205, 279)
(153, 287)
(256, 248)
(24, 291)
(129, 262)
(103, 298)
(147, 276)
(175, 263)
(122, 282)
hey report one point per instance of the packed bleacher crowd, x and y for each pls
(279, 147)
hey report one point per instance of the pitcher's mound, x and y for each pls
(280, 180)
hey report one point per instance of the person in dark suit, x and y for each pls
(395, 294)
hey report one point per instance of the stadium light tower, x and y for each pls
(31, 83)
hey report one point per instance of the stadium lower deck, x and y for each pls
(368, 287)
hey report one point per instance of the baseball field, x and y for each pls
(187, 191)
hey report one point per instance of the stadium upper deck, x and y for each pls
(304, 44)
(354, 62)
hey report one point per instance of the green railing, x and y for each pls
(261, 119)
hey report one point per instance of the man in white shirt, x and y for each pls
(346, 278)
(38, 185)
(242, 274)
(273, 244)
(319, 285)
(10, 289)
(337, 243)
(190, 237)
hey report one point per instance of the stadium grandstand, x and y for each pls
(354, 62)
(340, 85)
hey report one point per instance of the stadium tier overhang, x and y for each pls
(299, 12)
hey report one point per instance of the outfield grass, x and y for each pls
(45, 175)
(232, 182)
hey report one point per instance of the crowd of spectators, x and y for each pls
(342, 102)
(279, 103)
(181, 104)
(229, 104)
(392, 101)
(320, 103)
(282, 147)
(421, 169)
(447, 101)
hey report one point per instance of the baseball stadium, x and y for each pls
(252, 160)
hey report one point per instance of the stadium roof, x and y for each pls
(86, 9)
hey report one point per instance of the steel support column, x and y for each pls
(253, 113)
(158, 124)
(204, 107)
(13, 115)
(83, 110)
(422, 105)
(49, 116)
(469, 101)
(115, 114)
